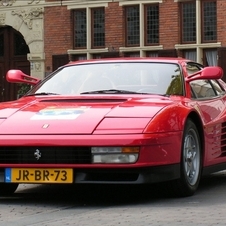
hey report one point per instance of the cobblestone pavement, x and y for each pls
(45, 205)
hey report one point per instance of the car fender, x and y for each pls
(169, 119)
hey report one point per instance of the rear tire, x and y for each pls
(191, 162)
(8, 188)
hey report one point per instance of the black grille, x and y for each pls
(49, 155)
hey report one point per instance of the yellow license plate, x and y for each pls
(30, 175)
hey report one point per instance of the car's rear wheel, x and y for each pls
(191, 162)
(8, 188)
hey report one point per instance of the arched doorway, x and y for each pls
(13, 55)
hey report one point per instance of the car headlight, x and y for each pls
(114, 154)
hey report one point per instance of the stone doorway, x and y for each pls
(13, 55)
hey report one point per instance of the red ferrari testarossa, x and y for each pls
(116, 121)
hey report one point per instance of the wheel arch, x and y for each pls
(198, 122)
(181, 187)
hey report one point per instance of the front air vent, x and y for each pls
(223, 138)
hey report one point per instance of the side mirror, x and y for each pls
(206, 73)
(17, 76)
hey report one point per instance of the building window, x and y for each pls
(198, 20)
(209, 21)
(150, 28)
(78, 57)
(188, 14)
(151, 24)
(92, 24)
(132, 54)
(98, 28)
(151, 54)
(132, 25)
(190, 54)
(96, 56)
(210, 57)
(80, 32)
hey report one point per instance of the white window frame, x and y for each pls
(141, 48)
(88, 50)
(199, 46)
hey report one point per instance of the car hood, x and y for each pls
(80, 115)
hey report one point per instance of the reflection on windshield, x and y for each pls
(140, 77)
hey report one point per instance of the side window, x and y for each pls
(203, 89)
(219, 90)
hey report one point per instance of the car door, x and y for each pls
(209, 96)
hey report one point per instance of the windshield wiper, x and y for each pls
(111, 91)
(41, 94)
(119, 91)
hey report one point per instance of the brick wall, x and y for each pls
(169, 24)
(57, 33)
(114, 26)
(221, 22)
(58, 30)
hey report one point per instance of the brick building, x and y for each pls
(49, 33)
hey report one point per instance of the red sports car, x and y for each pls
(116, 121)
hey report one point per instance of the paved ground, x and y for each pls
(36, 205)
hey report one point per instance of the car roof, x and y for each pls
(131, 59)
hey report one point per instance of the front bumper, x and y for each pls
(127, 176)
(144, 175)
(159, 156)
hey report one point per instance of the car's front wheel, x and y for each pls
(7, 188)
(191, 162)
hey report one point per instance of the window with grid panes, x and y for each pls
(98, 27)
(151, 54)
(96, 56)
(151, 24)
(80, 33)
(132, 54)
(79, 57)
(188, 22)
(132, 16)
(209, 21)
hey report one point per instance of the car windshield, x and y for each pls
(113, 78)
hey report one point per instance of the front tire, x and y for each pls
(191, 162)
(8, 188)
